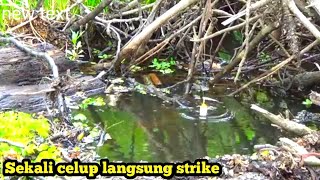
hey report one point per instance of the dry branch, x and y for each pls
(276, 68)
(43, 55)
(92, 15)
(253, 7)
(129, 50)
(303, 19)
(286, 124)
(263, 33)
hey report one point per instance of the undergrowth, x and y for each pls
(25, 136)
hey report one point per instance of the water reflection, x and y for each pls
(143, 128)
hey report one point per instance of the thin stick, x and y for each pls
(275, 68)
(246, 41)
(303, 19)
(226, 30)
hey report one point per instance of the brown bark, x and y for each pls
(17, 66)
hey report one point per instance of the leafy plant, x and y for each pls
(76, 51)
(98, 54)
(149, 1)
(28, 135)
(92, 101)
(307, 102)
(238, 36)
(264, 57)
(224, 55)
(262, 97)
(163, 66)
(80, 117)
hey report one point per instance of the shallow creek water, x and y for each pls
(142, 127)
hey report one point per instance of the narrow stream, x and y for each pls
(143, 128)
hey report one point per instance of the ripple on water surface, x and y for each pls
(143, 128)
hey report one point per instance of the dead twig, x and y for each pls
(285, 124)
(90, 16)
(275, 68)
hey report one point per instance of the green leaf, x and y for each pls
(262, 97)
(43, 147)
(224, 55)
(238, 36)
(307, 103)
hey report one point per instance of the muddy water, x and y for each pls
(143, 128)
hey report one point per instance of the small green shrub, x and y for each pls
(224, 55)
(163, 66)
(92, 101)
(29, 135)
(76, 51)
(307, 102)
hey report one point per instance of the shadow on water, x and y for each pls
(143, 128)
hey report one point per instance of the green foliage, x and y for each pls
(140, 89)
(238, 36)
(24, 129)
(92, 101)
(76, 50)
(307, 102)
(264, 57)
(104, 56)
(149, 1)
(224, 55)
(163, 66)
(98, 54)
(262, 97)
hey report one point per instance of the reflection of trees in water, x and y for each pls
(170, 138)
(160, 134)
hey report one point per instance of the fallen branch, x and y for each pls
(20, 145)
(218, 33)
(285, 124)
(302, 80)
(50, 61)
(253, 7)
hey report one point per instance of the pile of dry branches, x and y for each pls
(197, 30)
(194, 32)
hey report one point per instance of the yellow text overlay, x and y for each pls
(47, 167)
